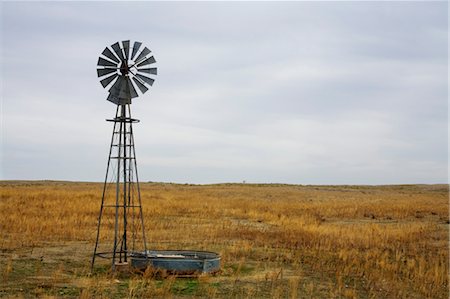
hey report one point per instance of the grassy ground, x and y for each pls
(276, 241)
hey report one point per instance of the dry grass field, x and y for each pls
(276, 241)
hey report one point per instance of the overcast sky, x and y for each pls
(291, 92)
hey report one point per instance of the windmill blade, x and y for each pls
(104, 62)
(105, 82)
(152, 71)
(136, 47)
(133, 92)
(115, 89)
(118, 101)
(141, 85)
(143, 54)
(113, 99)
(145, 79)
(126, 48)
(118, 50)
(107, 52)
(149, 60)
(124, 91)
(102, 72)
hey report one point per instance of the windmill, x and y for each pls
(122, 68)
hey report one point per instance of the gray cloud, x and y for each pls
(296, 92)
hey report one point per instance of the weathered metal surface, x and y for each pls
(106, 71)
(145, 79)
(117, 100)
(149, 60)
(104, 62)
(177, 261)
(107, 52)
(115, 89)
(124, 91)
(141, 85)
(136, 47)
(118, 50)
(143, 54)
(152, 70)
(126, 48)
(108, 80)
(133, 92)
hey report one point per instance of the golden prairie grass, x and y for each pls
(279, 241)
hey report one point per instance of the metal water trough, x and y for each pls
(180, 262)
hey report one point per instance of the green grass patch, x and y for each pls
(185, 286)
(238, 269)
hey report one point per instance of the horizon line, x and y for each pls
(221, 183)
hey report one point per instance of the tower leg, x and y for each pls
(125, 183)
(141, 215)
(103, 193)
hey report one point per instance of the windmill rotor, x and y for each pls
(123, 69)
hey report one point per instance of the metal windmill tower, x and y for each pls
(121, 70)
